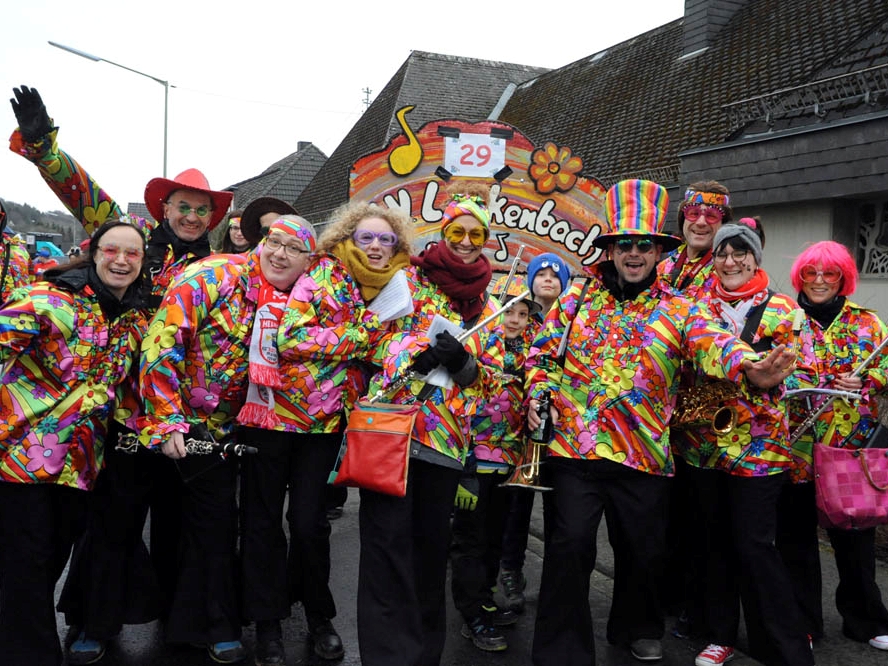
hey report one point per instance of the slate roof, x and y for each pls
(629, 110)
(440, 86)
(285, 179)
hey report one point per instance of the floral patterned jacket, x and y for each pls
(758, 445)
(693, 279)
(90, 204)
(444, 419)
(325, 330)
(18, 271)
(195, 356)
(839, 348)
(65, 366)
(616, 390)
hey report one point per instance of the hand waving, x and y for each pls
(30, 113)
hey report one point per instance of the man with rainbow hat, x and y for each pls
(611, 398)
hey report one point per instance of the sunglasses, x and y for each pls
(273, 245)
(185, 210)
(130, 254)
(456, 232)
(710, 215)
(829, 275)
(365, 238)
(644, 245)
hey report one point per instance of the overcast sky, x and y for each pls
(251, 79)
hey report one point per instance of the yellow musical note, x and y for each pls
(404, 159)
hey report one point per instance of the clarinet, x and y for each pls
(129, 443)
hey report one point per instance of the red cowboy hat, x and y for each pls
(158, 190)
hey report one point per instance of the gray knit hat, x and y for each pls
(747, 235)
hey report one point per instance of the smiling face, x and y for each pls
(634, 265)
(283, 265)
(118, 258)
(546, 287)
(188, 226)
(464, 249)
(515, 320)
(699, 234)
(378, 255)
(237, 238)
(819, 291)
(734, 266)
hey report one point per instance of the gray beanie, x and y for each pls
(747, 235)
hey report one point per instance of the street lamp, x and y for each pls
(165, 84)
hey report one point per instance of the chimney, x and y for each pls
(703, 20)
(302, 144)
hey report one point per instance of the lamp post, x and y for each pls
(165, 84)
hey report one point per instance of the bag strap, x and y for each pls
(869, 477)
(562, 351)
(7, 247)
(753, 319)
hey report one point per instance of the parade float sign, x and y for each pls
(539, 199)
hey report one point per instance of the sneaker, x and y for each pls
(646, 649)
(334, 513)
(227, 652)
(270, 652)
(85, 650)
(879, 642)
(513, 584)
(325, 641)
(682, 627)
(714, 654)
(484, 636)
(500, 617)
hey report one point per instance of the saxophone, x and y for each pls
(704, 405)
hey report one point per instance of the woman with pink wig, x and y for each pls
(825, 275)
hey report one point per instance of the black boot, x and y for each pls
(325, 640)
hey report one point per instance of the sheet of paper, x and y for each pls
(439, 376)
(395, 299)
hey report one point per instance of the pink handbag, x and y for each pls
(851, 487)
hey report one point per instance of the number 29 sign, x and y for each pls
(474, 154)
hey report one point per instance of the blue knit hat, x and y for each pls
(548, 260)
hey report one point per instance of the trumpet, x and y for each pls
(527, 474)
(704, 405)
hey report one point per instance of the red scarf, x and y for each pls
(758, 282)
(463, 283)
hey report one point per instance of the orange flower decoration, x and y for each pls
(553, 168)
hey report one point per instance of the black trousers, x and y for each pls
(476, 546)
(737, 534)
(38, 524)
(583, 491)
(295, 466)
(517, 527)
(111, 580)
(858, 598)
(206, 606)
(403, 569)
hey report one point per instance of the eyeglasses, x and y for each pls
(736, 255)
(385, 238)
(644, 245)
(273, 244)
(810, 273)
(234, 227)
(456, 232)
(710, 215)
(185, 210)
(130, 254)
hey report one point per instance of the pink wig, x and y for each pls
(827, 254)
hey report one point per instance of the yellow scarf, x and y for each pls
(370, 280)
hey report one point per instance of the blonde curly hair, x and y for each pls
(345, 220)
(468, 188)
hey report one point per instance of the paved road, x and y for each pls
(142, 645)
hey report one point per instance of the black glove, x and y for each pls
(425, 361)
(30, 113)
(451, 352)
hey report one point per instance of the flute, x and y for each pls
(812, 418)
(462, 337)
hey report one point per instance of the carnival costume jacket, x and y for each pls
(66, 364)
(839, 348)
(692, 278)
(759, 443)
(616, 390)
(196, 352)
(18, 271)
(90, 204)
(444, 420)
(325, 329)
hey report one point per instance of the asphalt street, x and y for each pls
(142, 645)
